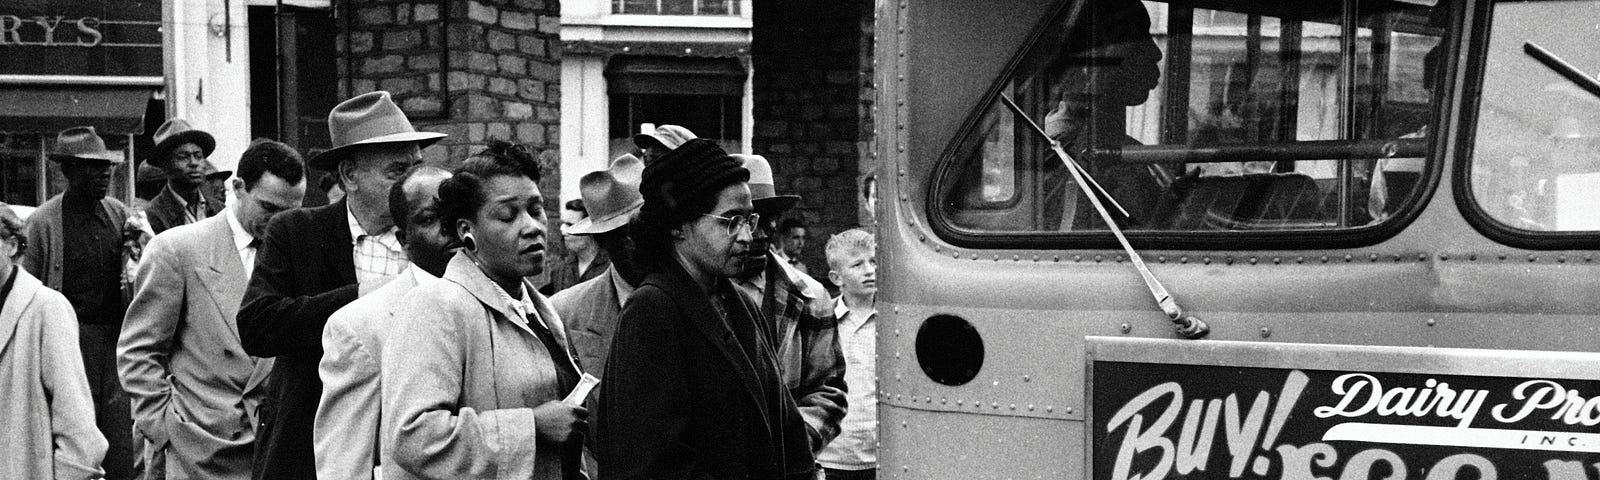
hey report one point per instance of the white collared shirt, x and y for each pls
(856, 447)
(241, 241)
(420, 275)
(378, 258)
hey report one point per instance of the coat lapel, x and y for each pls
(224, 273)
(465, 272)
(696, 306)
(337, 243)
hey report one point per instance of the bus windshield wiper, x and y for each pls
(1187, 325)
(1562, 67)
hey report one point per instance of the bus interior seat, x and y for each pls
(1244, 202)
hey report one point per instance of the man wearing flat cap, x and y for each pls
(664, 139)
(314, 261)
(75, 245)
(800, 312)
(181, 153)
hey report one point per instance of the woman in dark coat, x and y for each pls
(693, 389)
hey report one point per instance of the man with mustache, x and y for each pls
(349, 415)
(798, 310)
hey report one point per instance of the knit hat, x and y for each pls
(696, 170)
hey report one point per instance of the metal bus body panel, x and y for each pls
(1437, 283)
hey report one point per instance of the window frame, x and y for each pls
(948, 166)
(1461, 172)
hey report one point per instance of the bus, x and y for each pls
(1318, 239)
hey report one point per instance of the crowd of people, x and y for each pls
(220, 330)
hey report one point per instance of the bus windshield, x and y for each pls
(1208, 115)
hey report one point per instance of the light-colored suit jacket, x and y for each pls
(590, 310)
(345, 433)
(195, 391)
(48, 430)
(461, 375)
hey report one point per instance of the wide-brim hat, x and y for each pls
(670, 136)
(368, 119)
(611, 196)
(762, 191)
(84, 144)
(211, 172)
(173, 134)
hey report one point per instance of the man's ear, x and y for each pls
(835, 278)
(346, 173)
(237, 184)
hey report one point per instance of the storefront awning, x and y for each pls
(50, 109)
(675, 76)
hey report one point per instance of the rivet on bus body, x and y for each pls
(1013, 406)
(922, 238)
(1183, 259)
(1069, 410)
(996, 383)
(996, 405)
(1299, 259)
(904, 197)
(1252, 260)
(1018, 258)
(1077, 258)
(1588, 258)
(1561, 259)
(1120, 258)
(1432, 322)
(1445, 257)
(1127, 328)
(1206, 260)
(1277, 260)
(1266, 332)
(1049, 408)
(1372, 257)
(974, 256)
(1058, 259)
(1030, 407)
(996, 257)
(1161, 259)
(960, 402)
(1348, 258)
(943, 400)
(1026, 379)
(955, 255)
(1502, 257)
(1396, 258)
(1532, 257)
(1036, 258)
(1099, 258)
(1423, 257)
(1227, 260)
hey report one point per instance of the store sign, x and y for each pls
(41, 31)
(1340, 412)
(81, 37)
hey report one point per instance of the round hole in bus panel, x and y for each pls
(949, 349)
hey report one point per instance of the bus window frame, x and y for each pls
(948, 164)
(1461, 176)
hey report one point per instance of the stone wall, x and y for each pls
(473, 69)
(813, 94)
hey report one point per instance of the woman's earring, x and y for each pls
(468, 243)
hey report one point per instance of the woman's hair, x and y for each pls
(677, 189)
(461, 195)
(11, 227)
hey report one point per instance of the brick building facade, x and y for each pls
(813, 112)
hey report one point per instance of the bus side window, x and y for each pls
(1536, 154)
(1236, 116)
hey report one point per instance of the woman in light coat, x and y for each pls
(48, 430)
(474, 374)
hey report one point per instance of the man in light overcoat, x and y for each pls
(195, 391)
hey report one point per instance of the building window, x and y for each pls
(704, 95)
(675, 7)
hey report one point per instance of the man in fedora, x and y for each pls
(180, 153)
(76, 247)
(809, 354)
(664, 139)
(590, 308)
(314, 261)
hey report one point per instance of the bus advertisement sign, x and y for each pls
(1187, 409)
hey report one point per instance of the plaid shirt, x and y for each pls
(378, 258)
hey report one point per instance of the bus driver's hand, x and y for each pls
(556, 421)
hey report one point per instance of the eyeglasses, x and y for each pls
(737, 222)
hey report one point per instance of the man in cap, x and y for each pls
(194, 390)
(801, 313)
(664, 139)
(180, 153)
(314, 261)
(349, 415)
(76, 247)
